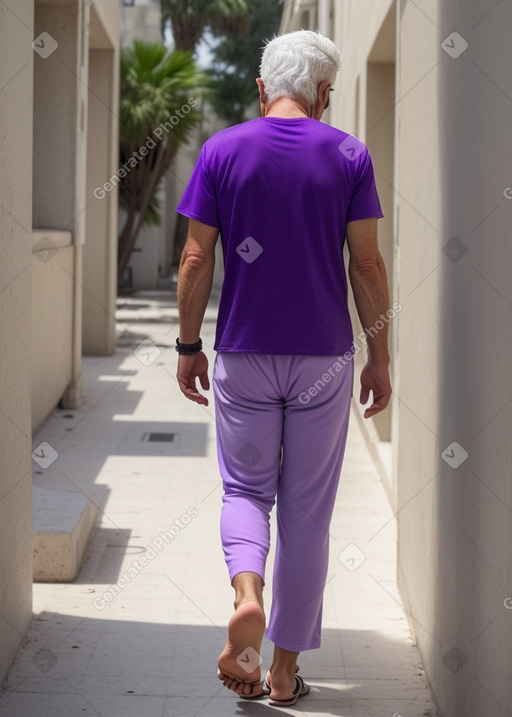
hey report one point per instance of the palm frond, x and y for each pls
(154, 85)
(189, 19)
(228, 17)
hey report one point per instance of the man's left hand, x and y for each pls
(189, 368)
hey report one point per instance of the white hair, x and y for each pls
(294, 64)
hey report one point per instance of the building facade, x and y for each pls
(426, 86)
(58, 245)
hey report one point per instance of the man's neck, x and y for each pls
(287, 108)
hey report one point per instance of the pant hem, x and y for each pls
(293, 648)
(234, 573)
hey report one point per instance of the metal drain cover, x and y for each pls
(160, 437)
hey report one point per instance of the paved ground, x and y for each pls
(148, 646)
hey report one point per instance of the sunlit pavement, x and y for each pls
(138, 633)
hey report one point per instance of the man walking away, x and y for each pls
(284, 190)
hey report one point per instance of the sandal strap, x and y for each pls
(301, 688)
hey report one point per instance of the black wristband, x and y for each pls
(189, 349)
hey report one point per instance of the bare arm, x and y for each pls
(368, 279)
(195, 278)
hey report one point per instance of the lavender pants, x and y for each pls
(282, 425)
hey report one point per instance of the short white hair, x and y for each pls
(294, 64)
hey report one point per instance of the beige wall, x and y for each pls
(417, 466)
(60, 131)
(451, 177)
(52, 320)
(100, 250)
(15, 310)
(109, 13)
(379, 134)
(43, 132)
(456, 336)
(75, 85)
(140, 22)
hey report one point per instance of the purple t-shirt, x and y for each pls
(281, 192)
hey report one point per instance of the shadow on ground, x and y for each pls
(103, 667)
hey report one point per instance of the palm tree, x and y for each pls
(190, 18)
(159, 91)
(236, 60)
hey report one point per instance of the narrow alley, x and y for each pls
(138, 633)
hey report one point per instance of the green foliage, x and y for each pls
(236, 62)
(154, 84)
(190, 18)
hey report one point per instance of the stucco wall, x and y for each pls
(420, 287)
(355, 27)
(57, 163)
(109, 14)
(100, 250)
(140, 21)
(452, 381)
(43, 129)
(455, 525)
(15, 309)
(52, 319)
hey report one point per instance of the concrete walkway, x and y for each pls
(139, 632)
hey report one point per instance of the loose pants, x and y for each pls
(282, 424)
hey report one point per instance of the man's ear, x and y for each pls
(323, 92)
(263, 94)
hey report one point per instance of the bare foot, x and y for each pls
(276, 686)
(239, 662)
(282, 683)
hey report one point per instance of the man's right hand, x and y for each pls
(190, 367)
(375, 378)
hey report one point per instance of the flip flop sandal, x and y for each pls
(266, 685)
(301, 689)
(259, 696)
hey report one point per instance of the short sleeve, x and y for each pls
(200, 198)
(365, 200)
